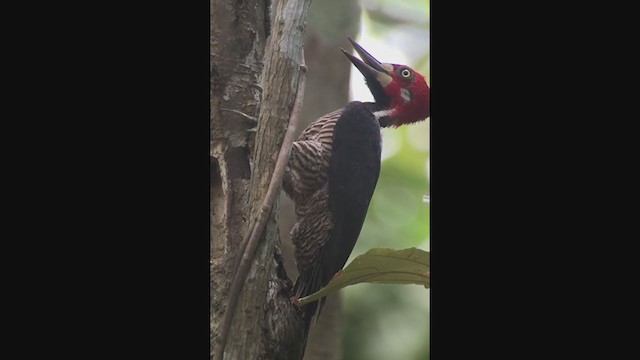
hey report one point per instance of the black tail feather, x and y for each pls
(312, 310)
(308, 284)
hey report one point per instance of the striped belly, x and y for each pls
(309, 162)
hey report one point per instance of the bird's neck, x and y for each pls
(382, 113)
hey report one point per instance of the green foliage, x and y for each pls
(379, 265)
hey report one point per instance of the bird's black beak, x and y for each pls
(370, 67)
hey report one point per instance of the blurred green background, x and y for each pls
(392, 321)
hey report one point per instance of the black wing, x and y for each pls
(353, 174)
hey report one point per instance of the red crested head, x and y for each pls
(408, 93)
(401, 93)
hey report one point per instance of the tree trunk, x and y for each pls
(265, 324)
(238, 38)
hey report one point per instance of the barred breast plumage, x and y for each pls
(330, 177)
(305, 182)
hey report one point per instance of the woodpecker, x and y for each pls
(334, 167)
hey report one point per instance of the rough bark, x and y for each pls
(238, 38)
(330, 22)
(265, 324)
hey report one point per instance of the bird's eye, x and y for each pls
(405, 73)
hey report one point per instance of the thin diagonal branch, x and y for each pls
(248, 117)
(249, 246)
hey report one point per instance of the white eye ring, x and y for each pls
(405, 73)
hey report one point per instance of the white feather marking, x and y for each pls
(387, 67)
(382, 113)
(384, 79)
(406, 95)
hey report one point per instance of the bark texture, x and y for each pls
(265, 324)
(238, 38)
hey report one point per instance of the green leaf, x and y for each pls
(379, 265)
